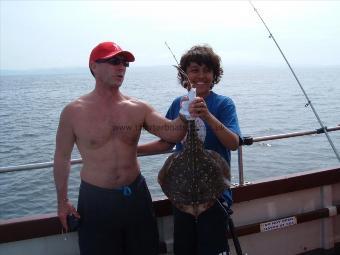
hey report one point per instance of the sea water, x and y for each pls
(268, 101)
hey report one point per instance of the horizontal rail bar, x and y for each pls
(246, 141)
(34, 166)
(250, 140)
(300, 218)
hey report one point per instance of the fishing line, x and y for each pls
(309, 102)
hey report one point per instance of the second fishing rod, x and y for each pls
(309, 102)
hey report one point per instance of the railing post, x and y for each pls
(240, 166)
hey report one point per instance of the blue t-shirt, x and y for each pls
(223, 108)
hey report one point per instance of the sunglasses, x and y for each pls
(114, 61)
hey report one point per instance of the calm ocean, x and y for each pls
(268, 102)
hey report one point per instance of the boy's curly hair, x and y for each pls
(201, 54)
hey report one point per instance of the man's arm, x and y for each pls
(64, 144)
(158, 146)
(171, 131)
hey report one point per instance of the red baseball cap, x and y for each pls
(106, 50)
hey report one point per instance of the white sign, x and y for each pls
(277, 224)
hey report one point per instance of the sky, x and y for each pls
(61, 34)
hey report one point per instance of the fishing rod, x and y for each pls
(179, 69)
(228, 212)
(172, 54)
(309, 102)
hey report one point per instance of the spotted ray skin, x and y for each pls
(193, 178)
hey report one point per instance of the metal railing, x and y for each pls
(250, 140)
(245, 141)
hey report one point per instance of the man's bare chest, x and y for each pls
(96, 129)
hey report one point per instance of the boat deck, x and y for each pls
(307, 203)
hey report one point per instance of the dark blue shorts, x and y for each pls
(204, 236)
(114, 221)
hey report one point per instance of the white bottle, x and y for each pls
(185, 104)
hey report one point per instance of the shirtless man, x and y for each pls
(114, 205)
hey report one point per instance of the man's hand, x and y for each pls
(66, 208)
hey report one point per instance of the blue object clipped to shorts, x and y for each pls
(227, 195)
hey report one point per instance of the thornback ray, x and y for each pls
(194, 178)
